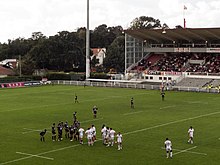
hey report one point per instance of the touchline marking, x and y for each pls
(43, 157)
(171, 106)
(131, 113)
(193, 152)
(141, 130)
(185, 150)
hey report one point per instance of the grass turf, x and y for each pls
(25, 110)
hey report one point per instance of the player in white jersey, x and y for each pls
(89, 136)
(190, 133)
(119, 141)
(103, 133)
(93, 133)
(168, 147)
(111, 137)
(81, 130)
(107, 137)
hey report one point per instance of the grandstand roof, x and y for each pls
(186, 35)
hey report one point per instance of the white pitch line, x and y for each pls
(141, 130)
(196, 102)
(86, 121)
(58, 104)
(131, 113)
(51, 151)
(184, 150)
(33, 130)
(43, 157)
(193, 152)
(171, 106)
(30, 130)
(172, 122)
(16, 160)
(38, 130)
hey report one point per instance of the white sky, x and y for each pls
(19, 18)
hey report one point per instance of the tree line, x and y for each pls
(65, 51)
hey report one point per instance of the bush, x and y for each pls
(99, 76)
(10, 79)
(66, 76)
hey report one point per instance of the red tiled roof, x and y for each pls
(96, 50)
(6, 71)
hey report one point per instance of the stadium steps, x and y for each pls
(194, 82)
(154, 58)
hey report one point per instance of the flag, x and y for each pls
(185, 8)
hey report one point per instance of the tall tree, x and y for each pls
(102, 36)
(115, 55)
(144, 22)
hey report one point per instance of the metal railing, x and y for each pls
(113, 84)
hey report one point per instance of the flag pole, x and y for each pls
(184, 19)
(87, 45)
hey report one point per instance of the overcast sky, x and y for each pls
(19, 18)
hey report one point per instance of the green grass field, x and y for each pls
(24, 111)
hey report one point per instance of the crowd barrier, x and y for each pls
(111, 84)
(136, 86)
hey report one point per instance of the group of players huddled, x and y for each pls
(76, 132)
(71, 132)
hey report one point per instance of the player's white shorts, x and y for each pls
(168, 148)
(119, 141)
(191, 135)
(80, 136)
(112, 138)
(89, 137)
(94, 134)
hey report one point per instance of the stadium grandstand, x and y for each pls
(181, 56)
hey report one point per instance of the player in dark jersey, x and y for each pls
(74, 117)
(94, 110)
(60, 131)
(71, 132)
(132, 103)
(162, 95)
(66, 127)
(53, 132)
(76, 99)
(76, 133)
(77, 124)
(42, 133)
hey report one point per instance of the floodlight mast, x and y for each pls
(87, 45)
